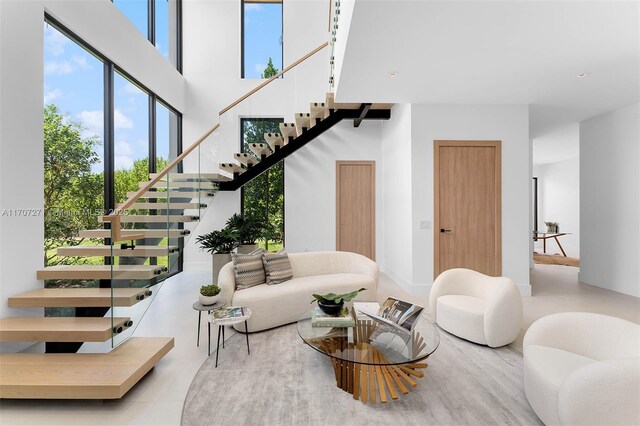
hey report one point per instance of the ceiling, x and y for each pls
(496, 52)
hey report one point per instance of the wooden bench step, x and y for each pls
(137, 251)
(78, 297)
(81, 376)
(60, 329)
(100, 272)
(147, 233)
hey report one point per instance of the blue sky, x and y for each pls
(262, 36)
(73, 78)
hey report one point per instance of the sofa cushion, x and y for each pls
(462, 316)
(285, 303)
(545, 369)
(277, 267)
(248, 270)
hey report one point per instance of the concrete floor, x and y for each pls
(159, 397)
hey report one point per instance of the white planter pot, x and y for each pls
(208, 300)
(246, 248)
(219, 260)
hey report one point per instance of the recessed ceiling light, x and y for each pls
(393, 74)
(582, 75)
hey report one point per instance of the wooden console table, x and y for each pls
(544, 236)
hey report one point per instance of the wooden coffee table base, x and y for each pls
(371, 383)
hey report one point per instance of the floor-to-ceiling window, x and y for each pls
(263, 197)
(159, 21)
(262, 48)
(101, 128)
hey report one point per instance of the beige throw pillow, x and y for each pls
(248, 270)
(277, 267)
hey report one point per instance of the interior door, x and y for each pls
(355, 207)
(467, 216)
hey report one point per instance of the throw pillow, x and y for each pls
(277, 267)
(248, 270)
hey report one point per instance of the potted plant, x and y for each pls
(331, 303)
(248, 231)
(209, 294)
(219, 244)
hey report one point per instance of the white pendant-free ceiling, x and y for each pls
(495, 52)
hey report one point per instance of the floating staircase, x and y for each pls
(138, 248)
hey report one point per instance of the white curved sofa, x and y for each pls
(583, 369)
(313, 272)
(479, 308)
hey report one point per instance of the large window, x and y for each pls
(261, 38)
(104, 133)
(263, 197)
(159, 21)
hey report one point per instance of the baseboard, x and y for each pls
(525, 290)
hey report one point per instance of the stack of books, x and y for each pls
(343, 319)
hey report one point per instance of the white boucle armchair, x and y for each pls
(476, 307)
(583, 369)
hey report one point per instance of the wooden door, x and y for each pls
(356, 207)
(468, 207)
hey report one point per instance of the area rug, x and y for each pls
(285, 382)
(555, 259)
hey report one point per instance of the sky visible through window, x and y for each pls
(73, 81)
(262, 37)
(136, 11)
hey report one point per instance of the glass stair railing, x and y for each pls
(149, 231)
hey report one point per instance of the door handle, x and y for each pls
(442, 230)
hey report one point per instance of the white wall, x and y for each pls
(508, 123)
(396, 192)
(310, 186)
(212, 71)
(98, 23)
(559, 201)
(610, 200)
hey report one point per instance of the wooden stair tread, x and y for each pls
(233, 167)
(348, 105)
(148, 233)
(100, 272)
(260, 149)
(165, 206)
(58, 329)
(192, 194)
(274, 140)
(76, 297)
(158, 218)
(181, 184)
(288, 130)
(138, 251)
(175, 177)
(81, 376)
(245, 159)
(303, 121)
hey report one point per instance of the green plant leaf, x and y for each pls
(337, 298)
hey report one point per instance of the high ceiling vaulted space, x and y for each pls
(479, 52)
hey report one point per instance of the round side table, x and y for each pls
(208, 308)
(222, 322)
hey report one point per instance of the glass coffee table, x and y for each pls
(370, 359)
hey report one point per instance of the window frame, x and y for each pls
(242, 3)
(284, 171)
(108, 137)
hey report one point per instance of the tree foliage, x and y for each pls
(73, 195)
(263, 197)
(270, 70)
